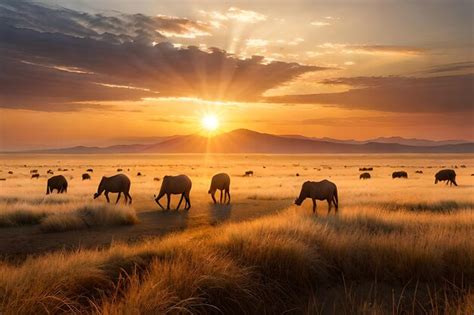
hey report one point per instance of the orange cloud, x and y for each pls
(236, 14)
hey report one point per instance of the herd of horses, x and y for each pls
(181, 185)
(171, 185)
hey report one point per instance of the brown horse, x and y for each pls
(323, 190)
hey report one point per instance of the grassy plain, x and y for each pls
(395, 247)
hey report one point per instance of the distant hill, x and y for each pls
(248, 141)
(141, 140)
(398, 140)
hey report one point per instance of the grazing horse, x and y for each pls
(119, 183)
(323, 190)
(175, 185)
(57, 182)
(400, 174)
(446, 175)
(220, 181)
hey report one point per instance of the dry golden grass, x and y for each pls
(395, 247)
(57, 217)
(365, 260)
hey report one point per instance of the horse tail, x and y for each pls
(336, 199)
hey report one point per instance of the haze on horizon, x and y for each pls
(93, 71)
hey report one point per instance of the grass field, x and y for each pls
(402, 246)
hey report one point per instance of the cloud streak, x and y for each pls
(395, 94)
(373, 49)
(452, 67)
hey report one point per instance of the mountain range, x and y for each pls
(248, 141)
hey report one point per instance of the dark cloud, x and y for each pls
(39, 47)
(30, 86)
(396, 94)
(451, 67)
(117, 28)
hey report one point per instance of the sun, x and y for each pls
(210, 122)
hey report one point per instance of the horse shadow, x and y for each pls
(167, 218)
(219, 213)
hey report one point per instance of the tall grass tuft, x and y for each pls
(53, 217)
(90, 215)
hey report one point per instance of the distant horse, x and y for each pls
(400, 174)
(57, 182)
(446, 175)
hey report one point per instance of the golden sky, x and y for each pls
(104, 72)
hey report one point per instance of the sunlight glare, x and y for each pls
(210, 122)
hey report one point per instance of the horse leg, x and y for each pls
(129, 198)
(169, 198)
(329, 206)
(228, 195)
(314, 206)
(188, 200)
(221, 198)
(180, 200)
(118, 197)
(107, 196)
(157, 199)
